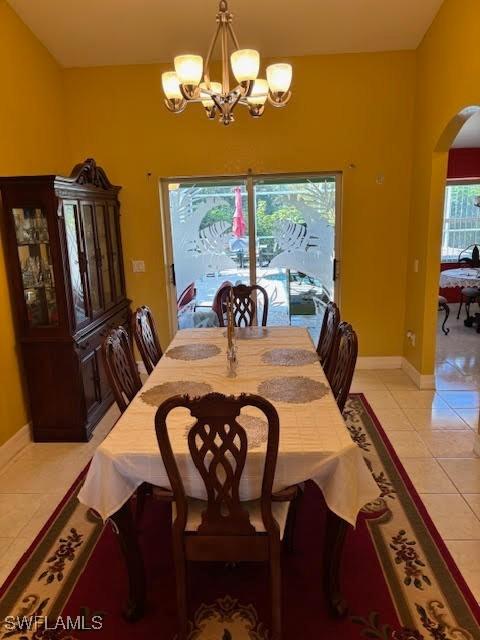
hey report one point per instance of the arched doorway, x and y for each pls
(434, 215)
(455, 225)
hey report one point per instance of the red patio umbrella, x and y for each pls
(239, 227)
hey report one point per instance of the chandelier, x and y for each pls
(184, 85)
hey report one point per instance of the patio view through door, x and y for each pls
(277, 231)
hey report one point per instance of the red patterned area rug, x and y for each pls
(399, 580)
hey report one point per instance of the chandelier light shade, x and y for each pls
(245, 64)
(171, 85)
(279, 78)
(189, 69)
(190, 82)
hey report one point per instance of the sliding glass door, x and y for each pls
(278, 232)
(295, 247)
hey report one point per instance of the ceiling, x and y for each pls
(109, 32)
(469, 135)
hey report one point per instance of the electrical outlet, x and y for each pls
(416, 265)
(138, 266)
(411, 337)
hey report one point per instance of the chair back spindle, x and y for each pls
(218, 445)
(146, 337)
(341, 374)
(244, 304)
(331, 320)
(120, 367)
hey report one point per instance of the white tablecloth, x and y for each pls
(314, 441)
(460, 278)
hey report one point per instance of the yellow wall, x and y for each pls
(448, 69)
(31, 141)
(346, 110)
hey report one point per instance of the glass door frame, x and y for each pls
(250, 179)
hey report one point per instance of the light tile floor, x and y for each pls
(432, 432)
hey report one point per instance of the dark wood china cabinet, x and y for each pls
(65, 267)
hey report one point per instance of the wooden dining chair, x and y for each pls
(222, 528)
(341, 373)
(124, 379)
(244, 304)
(217, 305)
(331, 320)
(146, 337)
(120, 367)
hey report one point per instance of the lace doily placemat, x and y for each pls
(199, 351)
(249, 333)
(296, 390)
(156, 395)
(289, 357)
(256, 428)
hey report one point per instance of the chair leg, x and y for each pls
(143, 491)
(460, 309)
(467, 308)
(290, 525)
(276, 589)
(182, 599)
(446, 308)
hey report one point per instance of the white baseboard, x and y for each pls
(13, 446)
(374, 362)
(422, 381)
(397, 362)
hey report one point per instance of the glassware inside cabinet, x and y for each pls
(35, 259)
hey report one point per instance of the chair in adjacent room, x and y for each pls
(222, 528)
(146, 337)
(216, 308)
(331, 320)
(470, 295)
(444, 306)
(244, 304)
(472, 260)
(341, 373)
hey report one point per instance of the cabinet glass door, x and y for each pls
(76, 261)
(91, 258)
(34, 255)
(104, 254)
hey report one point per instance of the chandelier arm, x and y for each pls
(176, 105)
(190, 95)
(232, 35)
(235, 100)
(281, 100)
(217, 101)
(206, 68)
(225, 61)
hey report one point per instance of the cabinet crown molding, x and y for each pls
(89, 173)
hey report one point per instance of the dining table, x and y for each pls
(279, 363)
(463, 277)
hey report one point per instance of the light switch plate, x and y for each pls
(138, 266)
